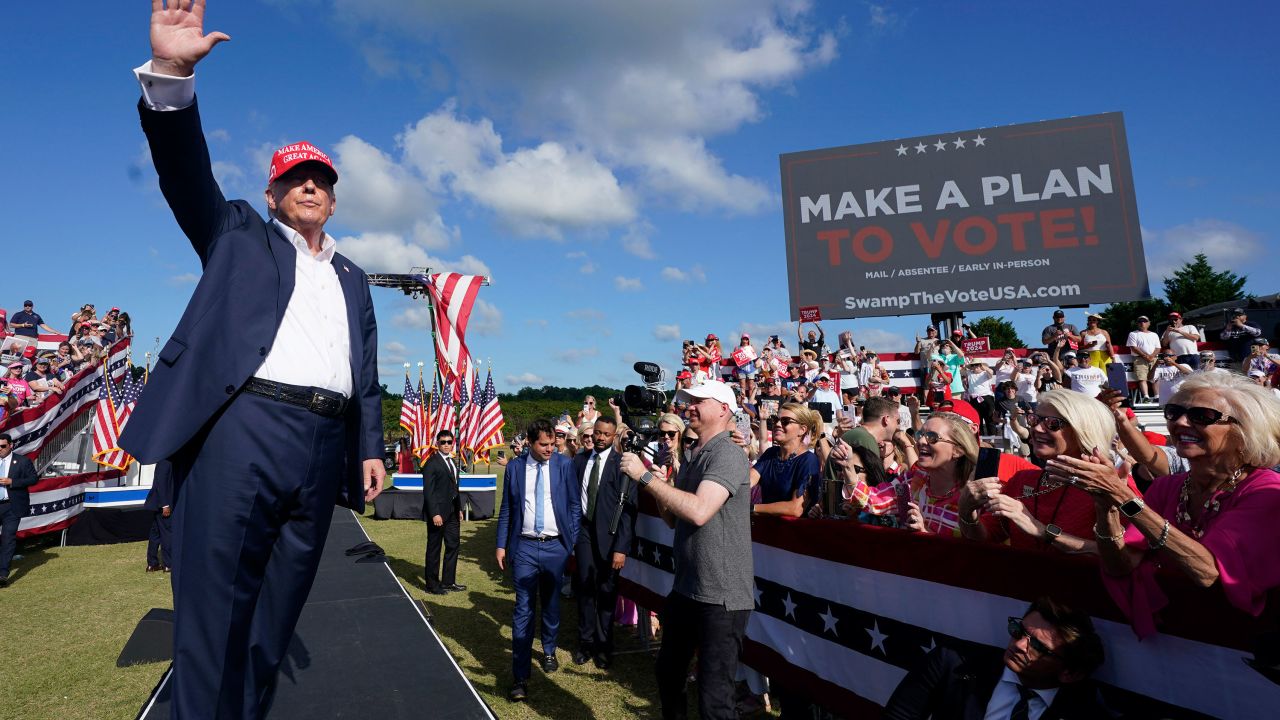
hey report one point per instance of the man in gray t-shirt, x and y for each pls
(710, 508)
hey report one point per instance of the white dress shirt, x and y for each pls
(549, 527)
(312, 346)
(586, 477)
(5, 463)
(1006, 695)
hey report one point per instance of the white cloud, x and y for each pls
(639, 86)
(184, 279)
(675, 274)
(538, 191)
(229, 176)
(486, 319)
(1226, 245)
(588, 268)
(636, 241)
(536, 322)
(219, 134)
(666, 332)
(626, 284)
(881, 18)
(393, 352)
(375, 194)
(877, 340)
(524, 379)
(575, 355)
(389, 252)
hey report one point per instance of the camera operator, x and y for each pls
(709, 506)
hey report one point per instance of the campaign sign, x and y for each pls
(743, 355)
(1039, 214)
(810, 314)
(976, 345)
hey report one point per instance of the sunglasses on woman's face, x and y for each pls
(560, 435)
(932, 438)
(670, 433)
(1201, 416)
(1051, 423)
(690, 442)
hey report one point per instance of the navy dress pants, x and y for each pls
(251, 518)
(160, 541)
(537, 568)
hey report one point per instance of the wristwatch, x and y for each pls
(646, 478)
(1132, 507)
(1051, 533)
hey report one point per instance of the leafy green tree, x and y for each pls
(1121, 318)
(999, 330)
(1197, 284)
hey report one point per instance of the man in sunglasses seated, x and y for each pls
(1043, 673)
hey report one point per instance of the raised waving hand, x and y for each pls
(178, 40)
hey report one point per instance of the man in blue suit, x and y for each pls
(265, 400)
(160, 502)
(537, 526)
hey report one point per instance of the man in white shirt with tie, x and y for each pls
(1045, 672)
(442, 508)
(17, 474)
(604, 542)
(538, 523)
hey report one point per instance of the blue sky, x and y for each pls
(612, 166)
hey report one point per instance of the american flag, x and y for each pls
(106, 424)
(443, 415)
(422, 439)
(464, 414)
(489, 422)
(410, 410)
(471, 414)
(125, 402)
(452, 297)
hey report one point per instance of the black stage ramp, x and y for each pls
(362, 649)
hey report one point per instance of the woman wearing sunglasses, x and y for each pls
(1216, 523)
(789, 469)
(947, 452)
(1038, 509)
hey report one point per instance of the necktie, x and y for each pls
(1022, 708)
(539, 506)
(592, 486)
(4, 472)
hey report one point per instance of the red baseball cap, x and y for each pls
(291, 156)
(966, 411)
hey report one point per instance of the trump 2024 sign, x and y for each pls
(1038, 214)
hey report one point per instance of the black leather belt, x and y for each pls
(318, 400)
(544, 538)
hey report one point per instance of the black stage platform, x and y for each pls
(362, 649)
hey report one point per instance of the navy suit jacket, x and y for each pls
(566, 501)
(236, 309)
(23, 474)
(160, 495)
(612, 486)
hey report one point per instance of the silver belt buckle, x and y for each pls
(320, 404)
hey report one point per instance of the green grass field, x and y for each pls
(70, 611)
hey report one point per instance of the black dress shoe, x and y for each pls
(518, 692)
(455, 587)
(550, 664)
(153, 568)
(4, 582)
(438, 591)
(580, 657)
(602, 661)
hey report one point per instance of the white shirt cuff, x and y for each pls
(165, 92)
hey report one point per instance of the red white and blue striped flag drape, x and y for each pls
(489, 422)
(452, 296)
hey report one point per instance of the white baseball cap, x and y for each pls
(715, 390)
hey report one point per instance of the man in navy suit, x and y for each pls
(265, 399)
(17, 475)
(608, 527)
(160, 502)
(537, 526)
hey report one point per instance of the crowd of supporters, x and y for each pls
(1035, 449)
(32, 374)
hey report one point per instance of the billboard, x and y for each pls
(1030, 215)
